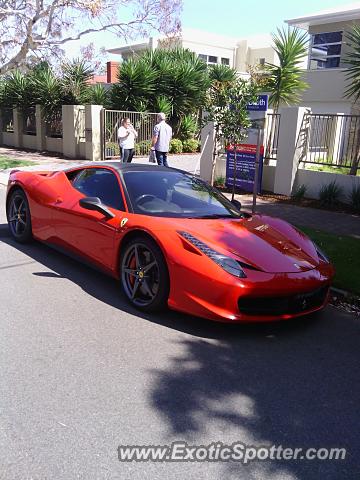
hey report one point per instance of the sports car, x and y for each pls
(172, 240)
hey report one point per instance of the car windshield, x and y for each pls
(172, 193)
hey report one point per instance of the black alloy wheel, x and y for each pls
(18, 216)
(144, 274)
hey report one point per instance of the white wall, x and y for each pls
(29, 141)
(82, 150)
(217, 51)
(54, 144)
(315, 180)
(8, 139)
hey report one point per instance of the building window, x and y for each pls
(325, 50)
(212, 59)
(209, 59)
(225, 61)
(262, 61)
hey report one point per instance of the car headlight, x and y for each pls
(321, 254)
(227, 263)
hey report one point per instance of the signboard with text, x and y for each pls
(261, 105)
(246, 152)
(245, 166)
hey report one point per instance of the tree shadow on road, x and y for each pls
(297, 387)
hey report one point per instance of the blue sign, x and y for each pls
(245, 168)
(260, 106)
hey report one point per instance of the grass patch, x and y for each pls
(344, 253)
(329, 169)
(7, 162)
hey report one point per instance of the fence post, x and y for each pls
(71, 130)
(18, 128)
(207, 148)
(93, 134)
(40, 129)
(287, 154)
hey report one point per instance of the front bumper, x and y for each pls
(217, 295)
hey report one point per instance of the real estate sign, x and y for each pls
(245, 166)
(246, 152)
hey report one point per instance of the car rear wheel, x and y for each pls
(18, 216)
(144, 274)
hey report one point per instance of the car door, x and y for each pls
(89, 232)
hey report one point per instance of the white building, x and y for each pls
(326, 71)
(213, 48)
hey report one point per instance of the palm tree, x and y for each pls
(74, 81)
(98, 95)
(284, 80)
(17, 91)
(352, 60)
(174, 79)
(135, 86)
(47, 91)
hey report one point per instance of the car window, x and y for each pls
(101, 183)
(172, 193)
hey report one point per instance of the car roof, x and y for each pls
(129, 167)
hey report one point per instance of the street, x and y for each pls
(81, 373)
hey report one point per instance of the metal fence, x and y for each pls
(29, 121)
(7, 116)
(330, 140)
(272, 136)
(143, 123)
(53, 122)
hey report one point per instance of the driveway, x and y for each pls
(81, 372)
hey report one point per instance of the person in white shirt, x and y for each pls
(160, 141)
(126, 138)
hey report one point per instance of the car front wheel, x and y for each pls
(144, 274)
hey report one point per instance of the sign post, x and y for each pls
(244, 162)
(260, 137)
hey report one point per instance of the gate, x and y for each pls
(271, 136)
(143, 123)
(330, 140)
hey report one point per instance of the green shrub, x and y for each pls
(354, 198)
(188, 127)
(176, 146)
(219, 181)
(191, 145)
(112, 149)
(143, 148)
(299, 193)
(330, 194)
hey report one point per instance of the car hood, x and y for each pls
(263, 242)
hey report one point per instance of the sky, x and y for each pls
(235, 18)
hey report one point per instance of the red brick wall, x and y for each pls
(111, 71)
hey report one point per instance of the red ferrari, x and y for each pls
(172, 239)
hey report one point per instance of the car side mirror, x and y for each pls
(94, 203)
(236, 204)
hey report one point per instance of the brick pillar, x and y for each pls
(111, 71)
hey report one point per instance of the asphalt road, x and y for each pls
(81, 373)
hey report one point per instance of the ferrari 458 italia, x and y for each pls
(172, 240)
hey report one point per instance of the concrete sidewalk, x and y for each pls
(325, 220)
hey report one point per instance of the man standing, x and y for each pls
(126, 139)
(161, 140)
